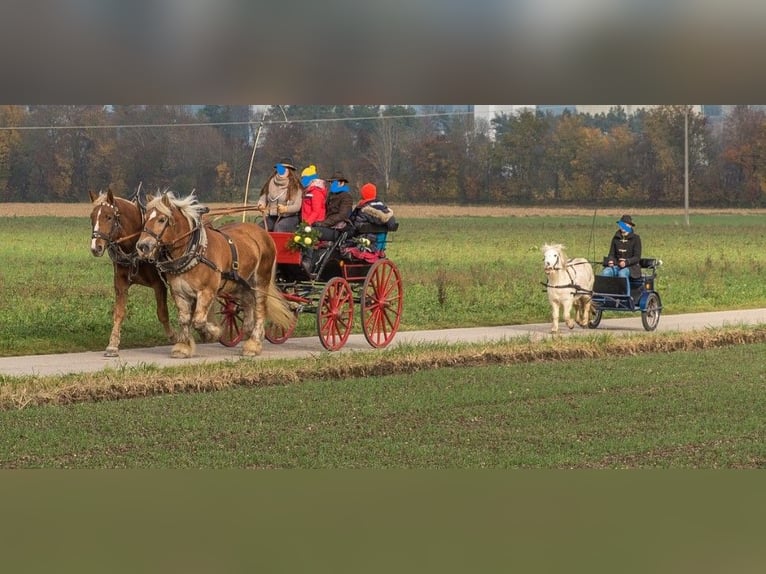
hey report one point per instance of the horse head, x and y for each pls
(167, 222)
(105, 221)
(554, 258)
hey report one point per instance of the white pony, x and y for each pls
(570, 282)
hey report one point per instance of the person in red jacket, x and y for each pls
(314, 196)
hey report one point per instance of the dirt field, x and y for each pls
(402, 211)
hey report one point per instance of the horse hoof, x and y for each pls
(251, 348)
(181, 351)
(111, 352)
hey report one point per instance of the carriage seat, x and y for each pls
(648, 263)
(380, 232)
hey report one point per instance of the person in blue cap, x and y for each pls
(337, 208)
(281, 197)
(624, 251)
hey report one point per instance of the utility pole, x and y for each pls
(686, 165)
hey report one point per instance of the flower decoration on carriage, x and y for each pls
(362, 242)
(304, 237)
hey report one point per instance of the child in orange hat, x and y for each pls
(370, 210)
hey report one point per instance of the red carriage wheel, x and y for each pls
(232, 318)
(278, 335)
(335, 314)
(382, 300)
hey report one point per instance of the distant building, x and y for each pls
(484, 114)
(630, 109)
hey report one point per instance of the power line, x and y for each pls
(242, 123)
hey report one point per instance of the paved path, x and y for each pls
(620, 324)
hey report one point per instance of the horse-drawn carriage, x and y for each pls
(339, 277)
(572, 284)
(256, 278)
(628, 294)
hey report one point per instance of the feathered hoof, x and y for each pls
(554, 331)
(251, 348)
(111, 352)
(181, 351)
(570, 324)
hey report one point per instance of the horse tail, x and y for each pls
(277, 308)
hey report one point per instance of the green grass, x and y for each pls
(701, 409)
(457, 272)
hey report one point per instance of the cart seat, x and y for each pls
(379, 231)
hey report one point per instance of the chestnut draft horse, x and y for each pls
(200, 262)
(117, 223)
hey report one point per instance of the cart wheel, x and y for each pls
(278, 335)
(335, 314)
(650, 316)
(595, 317)
(232, 318)
(381, 303)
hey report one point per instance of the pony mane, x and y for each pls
(189, 206)
(557, 246)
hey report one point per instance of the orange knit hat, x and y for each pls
(368, 191)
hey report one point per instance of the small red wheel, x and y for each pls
(232, 318)
(278, 335)
(335, 314)
(382, 300)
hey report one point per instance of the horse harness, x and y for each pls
(571, 284)
(195, 254)
(116, 253)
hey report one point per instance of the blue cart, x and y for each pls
(623, 294)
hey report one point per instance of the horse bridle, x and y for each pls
(115, 226)
(158, 236)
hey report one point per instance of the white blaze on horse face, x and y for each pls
(550, 260)
(96, 230)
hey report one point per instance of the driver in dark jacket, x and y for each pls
(624, 251)
(338, 207)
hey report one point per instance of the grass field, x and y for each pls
(458, 271)
(652, 402)
(688, 409)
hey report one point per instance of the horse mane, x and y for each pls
(189, 206)
(558, 247)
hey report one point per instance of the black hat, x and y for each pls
(627, 219)
(287, 162)
(338, 176)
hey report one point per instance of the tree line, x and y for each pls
(59, 153)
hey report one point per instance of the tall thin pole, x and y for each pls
(250, 169)
(252, 156)
(686, 165)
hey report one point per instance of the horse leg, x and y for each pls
(254, 323)
(184, 347)
(555, 316)
(121, 286)
(582, 311)
(585, 306)
(208, 331)
(568, 313)
(161, 298)
(208, 335)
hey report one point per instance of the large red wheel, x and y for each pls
(335, 314)
(232, 318)
(382, 300)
